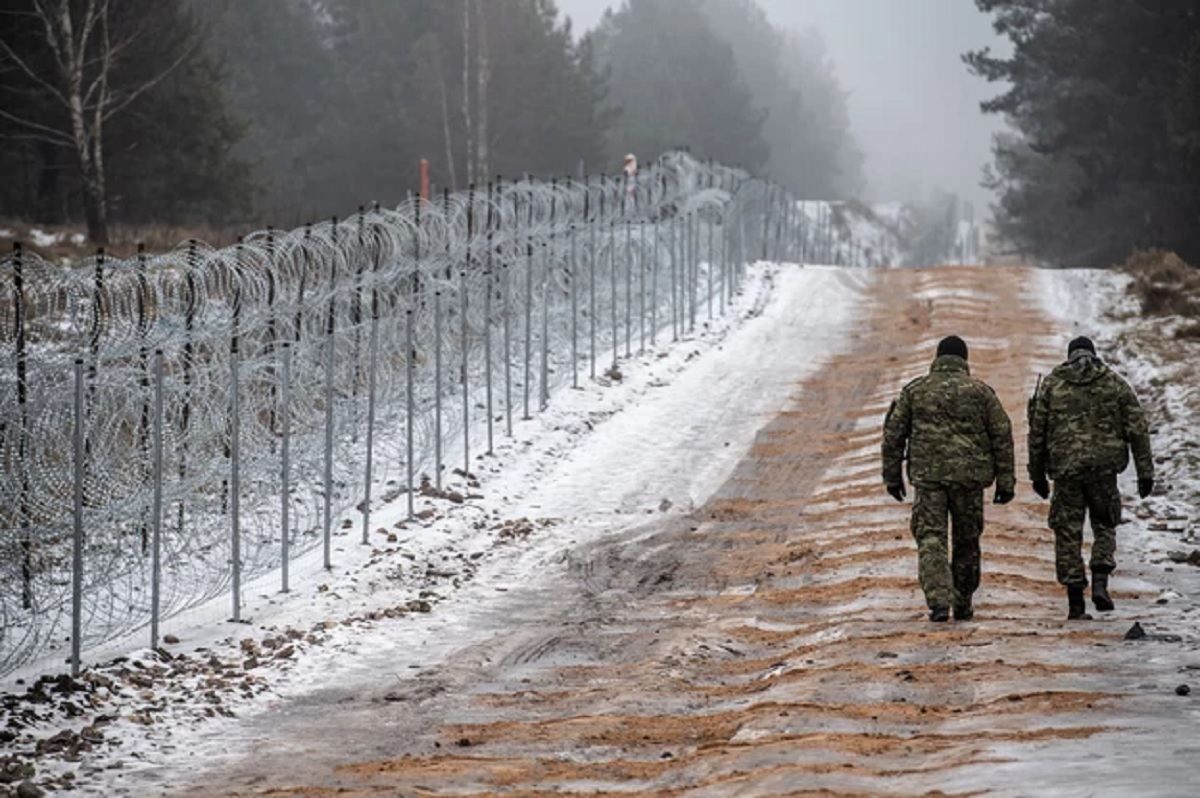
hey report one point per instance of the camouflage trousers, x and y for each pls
(949, 575)
(1098, 498)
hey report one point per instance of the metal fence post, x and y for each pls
(528, 326)
(628, 287)
(544, 382)
(641, 259)
(487, 321)
(506, 290)
(724, 258)
(574, 276)
(654, 287)
(285, 463)
(330, 354)
(675, 249)
(612, 263)
(466, 368)
(591, 279)
(156, 506)
(693, 235)
(77, 538)
(709, 269)
(372, 368)
(235, 483)
(409, 356)
(23, 440)
(437, 388)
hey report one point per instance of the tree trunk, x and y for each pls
(466, 89)
(482, 77)
(446, 128)
(95, 204)
(87, 143)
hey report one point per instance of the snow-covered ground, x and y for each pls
(602, 460)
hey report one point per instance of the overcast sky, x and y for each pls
(913, 105)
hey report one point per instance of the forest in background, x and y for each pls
(276, 111)
(1104, 100)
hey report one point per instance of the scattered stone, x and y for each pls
(1184, 557)
(91, 734)
(285, 653)
(1136, 632)
(171, 640)
(1183, 689)
(65, 742)
(887, 655)
(13, 769)
(664, 505)
(27, 789)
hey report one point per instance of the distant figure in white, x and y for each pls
(631, 173)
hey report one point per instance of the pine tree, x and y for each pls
(676, 83)
(789, 75)
(1102, 100)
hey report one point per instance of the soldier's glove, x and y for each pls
(1003, 496)
(1145, 487)
(897, 491)
(1042, 488)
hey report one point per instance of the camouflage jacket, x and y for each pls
(1083, 422)
(953, 427)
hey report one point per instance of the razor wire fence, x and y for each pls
(172, 425)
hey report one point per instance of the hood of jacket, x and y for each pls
(1082, 368)
(944, 364)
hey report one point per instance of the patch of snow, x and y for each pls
(41, 238)
(601, 460)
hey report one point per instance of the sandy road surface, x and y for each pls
(774, 642)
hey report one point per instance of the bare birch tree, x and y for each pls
(483, 76)
(85, 50)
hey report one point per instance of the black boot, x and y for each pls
(1100, 597)
(1076, 609)
(964, 612)
(939, 614)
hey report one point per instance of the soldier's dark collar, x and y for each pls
(950, 363)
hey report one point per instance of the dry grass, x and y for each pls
(1164, 283)
(1189, 332)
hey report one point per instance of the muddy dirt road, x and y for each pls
(775, 641)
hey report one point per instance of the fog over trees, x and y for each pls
(274, 111)
(1105, 101)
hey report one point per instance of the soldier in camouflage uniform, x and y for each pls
(1083, 421)
(958, 440)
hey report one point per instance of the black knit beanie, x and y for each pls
(952, 345)
(1082, 342)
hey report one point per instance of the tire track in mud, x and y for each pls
(775, 641)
